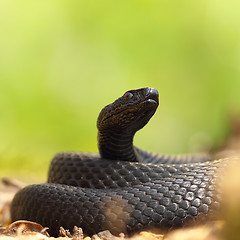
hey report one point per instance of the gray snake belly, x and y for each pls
(96, 193)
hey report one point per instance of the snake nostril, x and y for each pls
(153, 91)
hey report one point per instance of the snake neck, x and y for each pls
(117, 145)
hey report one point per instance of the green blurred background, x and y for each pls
(61, 61)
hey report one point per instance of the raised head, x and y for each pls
(118, 122)
(131, 111)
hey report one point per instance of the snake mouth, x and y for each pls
(151, 100)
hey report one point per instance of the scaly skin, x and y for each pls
(119, 189)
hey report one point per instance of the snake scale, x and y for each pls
(123, 188)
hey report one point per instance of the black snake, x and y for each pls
(122, 189)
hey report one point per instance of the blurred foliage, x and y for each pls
(62, 61)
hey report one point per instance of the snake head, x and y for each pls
(131, 111)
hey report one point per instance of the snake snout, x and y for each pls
(152, 95)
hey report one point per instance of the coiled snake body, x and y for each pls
(123, 188)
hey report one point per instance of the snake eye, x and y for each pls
(128, 95)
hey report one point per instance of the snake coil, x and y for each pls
(123, 188)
